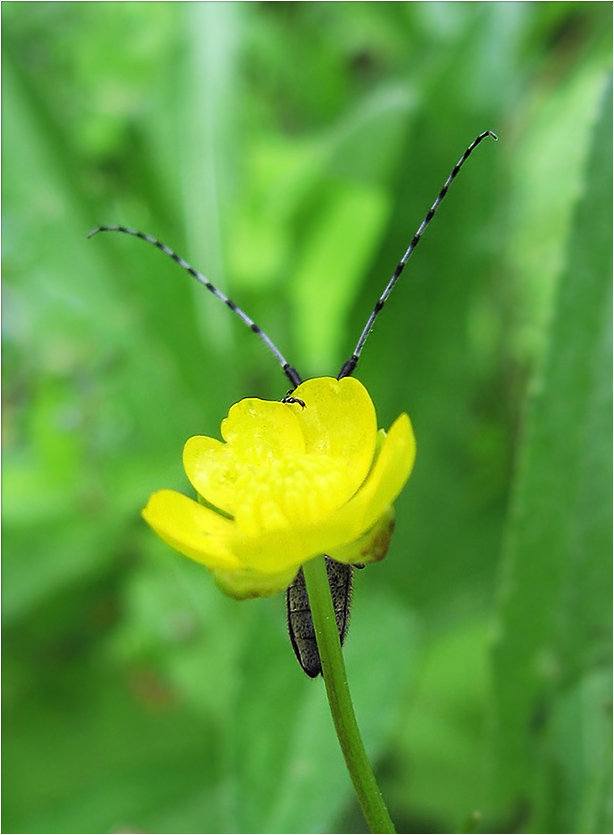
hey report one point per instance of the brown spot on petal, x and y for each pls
(380, 543)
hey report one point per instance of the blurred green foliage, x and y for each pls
(290, 151)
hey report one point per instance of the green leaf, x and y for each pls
(550, 658)
(103, 763)
(342, 244)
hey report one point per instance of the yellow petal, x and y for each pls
(339, 421)
(257, 433)
(195, 531)
(247, 583)
(295, 490)
(388, 476)
(262, 431)
(212, 470)
(285, 549)
(372, 546)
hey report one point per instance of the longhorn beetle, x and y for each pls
(340, 576)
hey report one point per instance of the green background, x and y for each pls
(290, 151)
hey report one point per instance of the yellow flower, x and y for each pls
(288, 483)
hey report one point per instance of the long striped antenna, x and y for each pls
(349, 366)
(290, 372)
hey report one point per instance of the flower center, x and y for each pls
(296, 489)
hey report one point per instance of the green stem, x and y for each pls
(339, 699)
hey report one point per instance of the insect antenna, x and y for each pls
(349, 366)
(290, 372)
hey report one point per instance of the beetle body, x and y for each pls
(300, 622)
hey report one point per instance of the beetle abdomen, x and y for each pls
(300, 623)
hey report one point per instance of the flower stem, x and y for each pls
(339, 699)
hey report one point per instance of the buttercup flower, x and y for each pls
(287, 484)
